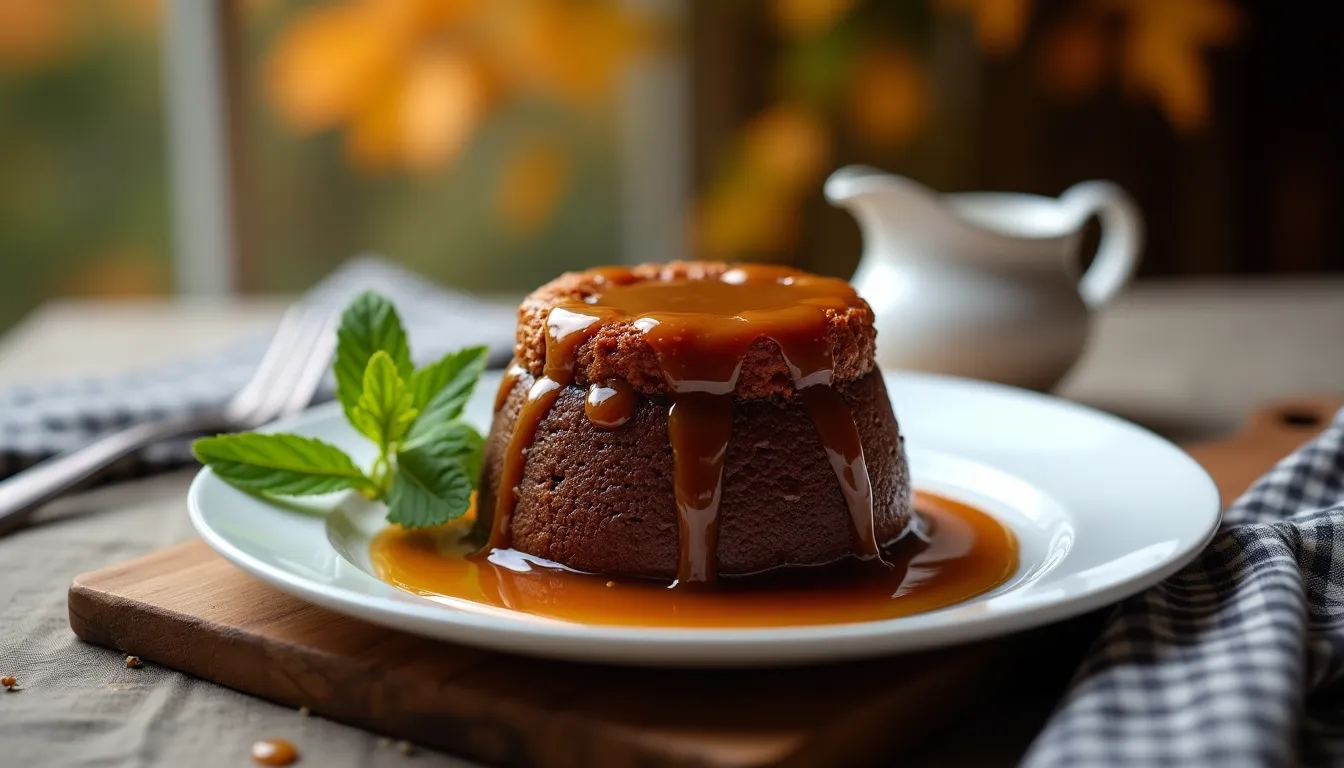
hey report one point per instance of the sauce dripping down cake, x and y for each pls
(693, 421)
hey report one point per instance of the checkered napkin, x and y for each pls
(1238, 660)
(38, 421)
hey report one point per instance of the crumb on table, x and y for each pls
(134, 662)
(9, 682)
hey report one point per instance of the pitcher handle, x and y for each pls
(1121, 238)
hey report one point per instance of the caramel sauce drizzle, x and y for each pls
(702, 331)
(610, 403)
(699, 425)
(506, 383)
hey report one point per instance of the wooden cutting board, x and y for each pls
(185, 608)
(1272, 432)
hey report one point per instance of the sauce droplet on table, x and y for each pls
(274, 752)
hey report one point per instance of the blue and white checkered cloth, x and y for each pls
(39, 421)
(1237, 660)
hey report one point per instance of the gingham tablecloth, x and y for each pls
(1237, 660)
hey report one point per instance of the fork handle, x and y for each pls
(25, 492)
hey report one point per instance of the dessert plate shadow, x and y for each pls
(1102, 509)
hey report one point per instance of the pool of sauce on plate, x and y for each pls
(701, 331)
(956, 553)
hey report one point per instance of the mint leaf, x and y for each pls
(431, 486)
(368, 325)
(384, 411)
(284, 465)
(443, 388)
(453, 441)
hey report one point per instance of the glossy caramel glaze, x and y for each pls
(701, 331)
(610, 403)
(506, 383)
(959, 553)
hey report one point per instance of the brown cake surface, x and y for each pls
(612, 499)
(602, 500)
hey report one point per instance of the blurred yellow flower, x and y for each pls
(422, 119)
(413, 79)
(141, 14)
(999, 24)
(1072, 60)
(531, 185)
(40, 33)
(36, 32)
(446, 93)
(787, 145)
(752, 209)
(124, 271)
(888, 98)
(1161, 50)
(1162, 54)
(738, 219)
(801, 18)
(573, 51)
(331, 62)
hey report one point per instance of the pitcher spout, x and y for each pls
(890, 208)
(860, 187)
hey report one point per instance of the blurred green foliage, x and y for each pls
(83, 204)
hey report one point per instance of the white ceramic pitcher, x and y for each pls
(985, 284)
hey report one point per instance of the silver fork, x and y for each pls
(283, 384)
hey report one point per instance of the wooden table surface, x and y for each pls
(1187, 359)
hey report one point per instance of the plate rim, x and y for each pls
(702, 647)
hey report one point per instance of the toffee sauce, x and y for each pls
(274, 752)
(957, 553)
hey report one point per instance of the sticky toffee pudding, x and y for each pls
(694, 420)
(720, 429)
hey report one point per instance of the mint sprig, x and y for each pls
(286, 465)
(428, 461)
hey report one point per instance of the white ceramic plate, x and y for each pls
(1102, 509)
